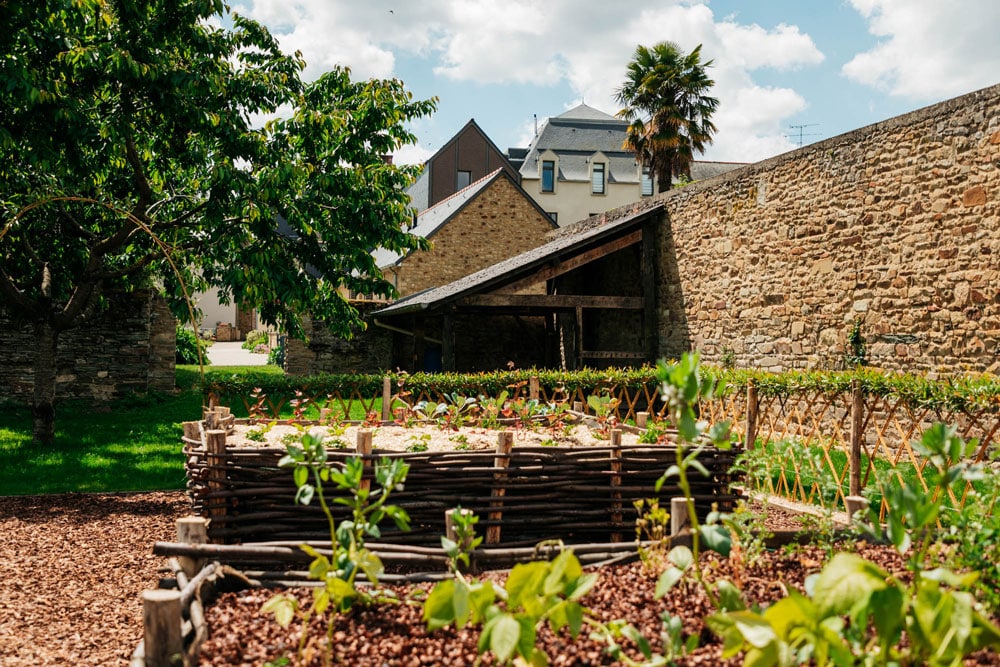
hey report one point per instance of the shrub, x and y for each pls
(187, 347)
(255, 338)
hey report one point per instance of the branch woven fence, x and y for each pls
(522, 494)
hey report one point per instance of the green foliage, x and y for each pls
(348, 557)
(933, 607)
(188, 344)
(255, 338)
(857, 348)
(139, 163)
(534, 593)
(666, 101)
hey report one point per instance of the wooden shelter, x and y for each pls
(588, 297)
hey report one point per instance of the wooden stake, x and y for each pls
(192, 530)
(857, 423)
(161, 623)
(616, 483)
(678, 515)
(505, 442)
(641, 419)
(533, 388)
(386, 398)
(750, 434)
(364, 449)
(449, 523)
(855, 504)
(216, 445)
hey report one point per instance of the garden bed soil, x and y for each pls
(426, 437)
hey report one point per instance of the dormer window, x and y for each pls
(646, 182)
(548, 176)
(597, 178)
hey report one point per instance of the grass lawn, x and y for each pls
(132, 444)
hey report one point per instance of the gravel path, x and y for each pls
(72, 571)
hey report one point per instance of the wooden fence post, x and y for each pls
(750, 435)
(857, 423)
(642, 419)
(163, 642)
(386, 398)
(616, 483)
(678, 515)
(533, 387)
(215, 441)
(505, 442)
(364, 449)
(192, 530)
(449, 525)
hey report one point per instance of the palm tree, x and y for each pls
(665, 97)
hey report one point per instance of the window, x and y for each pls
(548, 176)
(463, 179)
(597, 178)
(646, 182)
(554, 215)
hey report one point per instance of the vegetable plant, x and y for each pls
(348, 557)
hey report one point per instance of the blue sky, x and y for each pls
(828, 65)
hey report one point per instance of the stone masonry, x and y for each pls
(894, 225)
(499, 223)
(128, 348)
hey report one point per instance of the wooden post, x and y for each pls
(642, 419)
(854, 504)
(216, 444)
(386, 398)
(533, 387)
(577, 406)
(449, 523)
(750, 435)
(161, 624)
(678, 515)
(857, 423)
(616, 483)
(364, 449)
(192, 530)
(505, 442)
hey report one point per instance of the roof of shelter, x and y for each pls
(567, 241)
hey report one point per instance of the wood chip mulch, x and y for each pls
(72, 571)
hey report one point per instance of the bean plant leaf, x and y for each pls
(845, 581)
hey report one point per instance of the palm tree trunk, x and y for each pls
(43, 408)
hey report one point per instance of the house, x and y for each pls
(489, 220)
(577, 166)
(467, 157)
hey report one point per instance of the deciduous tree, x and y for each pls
(134, 155)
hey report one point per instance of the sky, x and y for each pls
(786, 72)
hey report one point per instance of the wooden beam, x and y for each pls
(575, 262)
(551, 301)
(604, 354)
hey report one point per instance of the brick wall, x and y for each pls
(128, 348)
(499, 223)
(895, 223)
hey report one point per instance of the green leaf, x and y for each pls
(301, 476)
(845, 581)
(716, 538)
(525, 580)
(439, 607)
(504, 632)
(668, 579)
(730, 597)
(283, 607)
(681, 556)
(755, 630)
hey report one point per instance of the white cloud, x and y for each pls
(585, 43)
(928, 49)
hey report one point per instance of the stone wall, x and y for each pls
(500, 222)
(128, 348)
(894, 225)
(368, 351)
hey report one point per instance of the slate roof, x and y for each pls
(568, 240)
(431, 219)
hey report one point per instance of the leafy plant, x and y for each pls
(652, 525)
(188, 345)
(857, 349)
(338, 569)
(656, 432)
(461, 441)
(604, 407)
(934, 608)
(254, 338)
(256, 434)
(418, 443)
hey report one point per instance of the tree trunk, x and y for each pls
(43, 409)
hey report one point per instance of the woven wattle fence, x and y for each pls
(577, 495)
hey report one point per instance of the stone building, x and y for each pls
(892, 229)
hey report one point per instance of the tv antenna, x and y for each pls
(801, 134)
